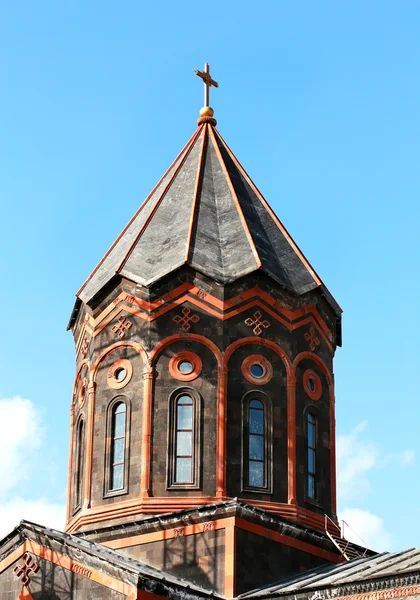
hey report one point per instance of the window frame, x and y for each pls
(108, 492)
(78, 462)
(310, 412)
(195, 484)
(268, 442)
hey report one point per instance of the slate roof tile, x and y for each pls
(207, 213)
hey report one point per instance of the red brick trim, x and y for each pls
(224, 309)
(154, 505)
(67, 563)
(236, 201)
(257, 359)
(25, 595)
(287, 540)
(123, 344)
(167, 534)
(89, 444)
(70, 471)
(324, 368)
(191, 357)
(111, 380)
(83, 391)
(230, 561)
(183, 151)
(308, 376)
(401, 592)
(205, 130)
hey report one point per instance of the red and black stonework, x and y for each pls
(202, 447)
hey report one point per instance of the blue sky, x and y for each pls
(319, 101)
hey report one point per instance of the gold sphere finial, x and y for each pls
(206, 111)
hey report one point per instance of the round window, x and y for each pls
(83, 392)
(256, 370)
(120, 374)
(311, 384)
(185, 367)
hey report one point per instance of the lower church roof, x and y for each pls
(334, 580)
(108, 561)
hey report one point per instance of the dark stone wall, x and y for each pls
(222, 333)
(53, 582)
(321, 410)
(198, 558)
(261, 561)
(132, 395)
(275, 392)
(164, 387)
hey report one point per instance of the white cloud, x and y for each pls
(40, 511)
(366, 529)
(357, 456)
(21, 433)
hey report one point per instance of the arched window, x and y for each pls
(184, 446)
(257, 443)
(118, 434)
(184, 439)
(79, 464)
(311, 443)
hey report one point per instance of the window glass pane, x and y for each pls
(256, 404)
(311, 436)
(183, 470)
(256, 421)
(184, 417)
(257, 370)
(311, 461)
(118, 450)
(311, 486)
(256, 447)
(120, 374)
(119, 424)
(311, 418)
(120, 407)
(117, 482)
(184, 443)
(184, 400)
(256, 474)
(185, 366)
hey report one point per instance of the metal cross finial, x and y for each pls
(208, 82)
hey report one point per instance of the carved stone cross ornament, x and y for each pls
(23, 571)
(311, 337)
(258, 323)
(185, 319)
(121, 328)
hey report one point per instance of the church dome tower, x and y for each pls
(204, 348)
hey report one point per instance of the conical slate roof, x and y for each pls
(207, 213)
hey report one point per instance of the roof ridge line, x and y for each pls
(159, 201)
(236, 201)
(272, 213)
(142, 205)
(196, 189)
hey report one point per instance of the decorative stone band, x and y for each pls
(222, 309)
(400, 592)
